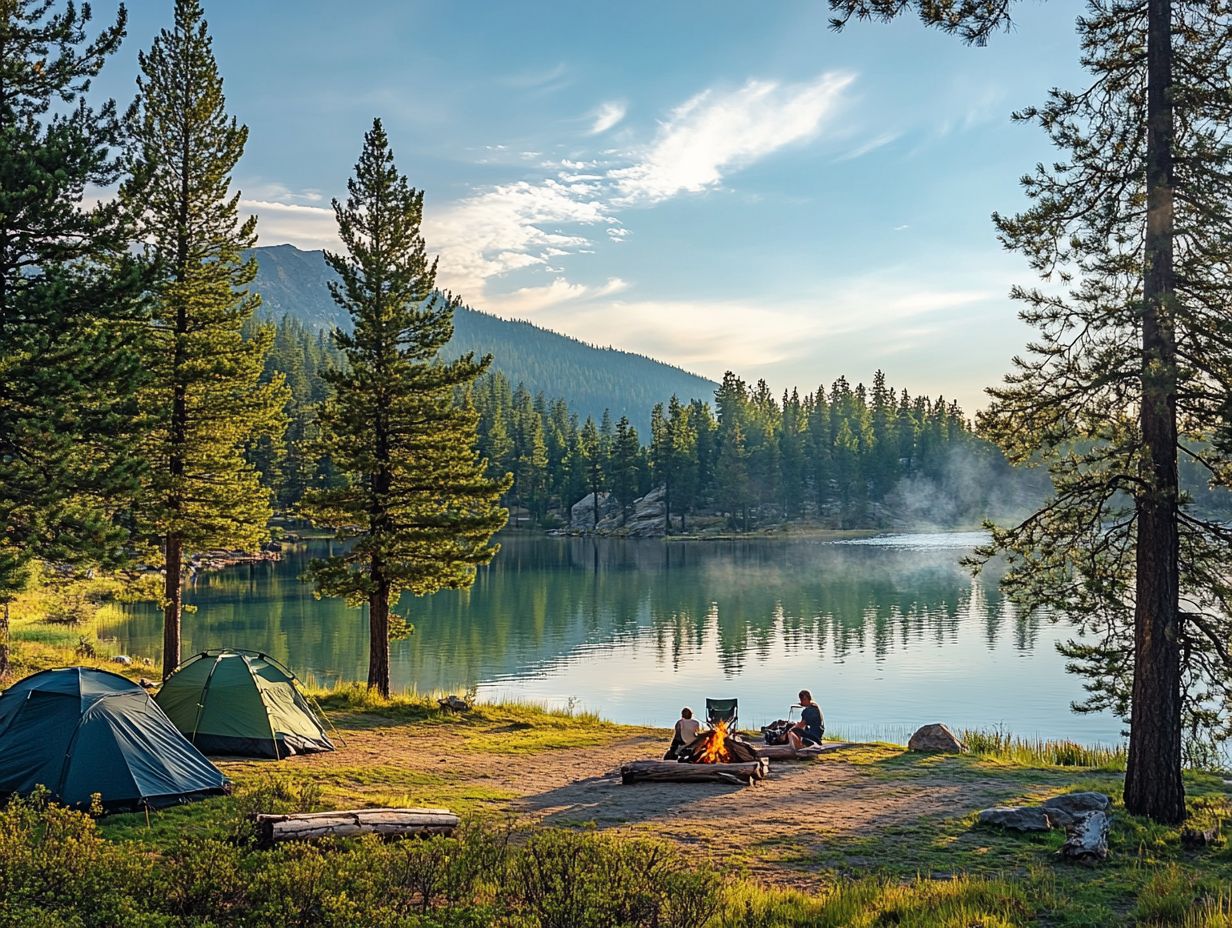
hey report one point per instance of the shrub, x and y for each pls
(274, 794)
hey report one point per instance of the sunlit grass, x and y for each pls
(971, 902)
(1000, 744)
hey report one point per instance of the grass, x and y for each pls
(1000, 744)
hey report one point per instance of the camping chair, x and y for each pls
(722, 710)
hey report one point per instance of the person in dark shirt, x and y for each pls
(812, 724)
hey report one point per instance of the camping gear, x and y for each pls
(776, 732)
(722, 710)
(79, 731)
(231, 701)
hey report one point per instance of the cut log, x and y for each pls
(1088, 839)
(658, 771)
(311, 826)
(787, 752)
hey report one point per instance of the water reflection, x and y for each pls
(884, 631)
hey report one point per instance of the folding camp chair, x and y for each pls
(722, 710)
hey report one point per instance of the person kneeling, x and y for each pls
(812, 725)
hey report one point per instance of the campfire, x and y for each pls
(715, 756)
(717, 747)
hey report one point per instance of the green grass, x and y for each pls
(1000, 744)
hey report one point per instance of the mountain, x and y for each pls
(294, 282)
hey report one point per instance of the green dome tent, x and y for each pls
(79, 731)
(241, 702)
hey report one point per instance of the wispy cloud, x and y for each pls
(714, 133)
(608, 115)
(536, 78)
(576, 203)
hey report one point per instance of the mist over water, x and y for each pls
(888, 632)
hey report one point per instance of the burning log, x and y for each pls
(659, 771)
(717, 747)
(310, 826)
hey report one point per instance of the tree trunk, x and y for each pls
(378, 628)
(4, 640)
(172, 603)
(1153, 785)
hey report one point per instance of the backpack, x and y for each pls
(776, 732)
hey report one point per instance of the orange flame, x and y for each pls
(715, 750)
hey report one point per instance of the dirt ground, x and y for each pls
(788, 823)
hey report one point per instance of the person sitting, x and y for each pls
(812, 724)
(686, 730)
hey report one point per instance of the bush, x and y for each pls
(273, 794)
(55, 869)
(570, 880)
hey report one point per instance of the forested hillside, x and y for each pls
(294, 282)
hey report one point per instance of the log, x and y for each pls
(658, 771)
(1088, 839)
(787, 752)
(311, 826)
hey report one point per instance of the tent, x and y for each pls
(241, 702)
(79, 731)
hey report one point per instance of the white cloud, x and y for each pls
(533, 301)
(305, 226)
(608, 115)
(714, 133)
(871, 145)
(508, 227)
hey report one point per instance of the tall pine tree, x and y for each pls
(1129, 361)
(415, 502)
(70, 301)
(205, 404)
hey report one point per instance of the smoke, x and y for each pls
(972, 482)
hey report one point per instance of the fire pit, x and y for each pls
(713, 756)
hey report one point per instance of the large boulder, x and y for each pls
(936, 739)
(1069, 809)
(1018, 818)
(582, 513)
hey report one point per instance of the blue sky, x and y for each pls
(719, 185)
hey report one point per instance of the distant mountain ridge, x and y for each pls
(295, 283)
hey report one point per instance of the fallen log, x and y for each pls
(1088, 839)
(658, 771)
(312, 826)
(787, 752)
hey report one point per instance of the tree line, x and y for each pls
(144, 414)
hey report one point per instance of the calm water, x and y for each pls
(888, 633)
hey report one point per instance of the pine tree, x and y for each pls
(70, 302)
(205, 403)
(626, 457)
(1136, 215)
(416, 501)
(594, 463)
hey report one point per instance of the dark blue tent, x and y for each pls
(79, 731)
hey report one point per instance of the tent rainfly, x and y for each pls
(231, 701)
(79, 731)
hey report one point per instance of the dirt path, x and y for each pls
(796, 815)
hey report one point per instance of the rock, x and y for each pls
(582, 513)
(1196, 838)
(122, 659)
(1020, 818)
(1068, 810)
(1088, 839)
(937, 739)
(453, 703)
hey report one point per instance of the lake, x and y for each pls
(888, 632)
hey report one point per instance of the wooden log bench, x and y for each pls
(787, 752)
(312, 826)
(663, 771)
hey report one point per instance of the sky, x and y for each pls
(720, 185)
